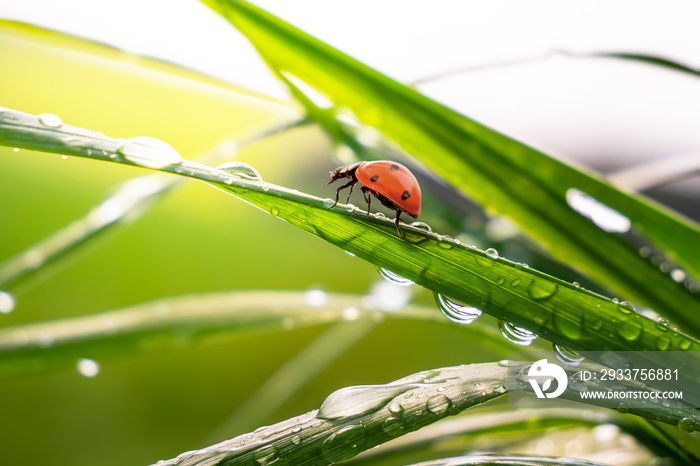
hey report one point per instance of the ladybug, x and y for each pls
(393, 184)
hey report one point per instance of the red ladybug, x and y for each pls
(393, 184)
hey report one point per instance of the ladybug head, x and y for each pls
(346, 171)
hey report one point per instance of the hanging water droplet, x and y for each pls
(421, 226)
(7, 302)
(492, 253)
(576, 284)
(315, 298)
(605, 218)
(240, 170)
(568, 356)
(50, 120)
(458, 313)
(540, 289)
(344, 444)
(328, 203)
(88, 367)
(149, 152)
(517, 335)
(394, 278)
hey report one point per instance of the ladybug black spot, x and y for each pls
(394, 167)
(374, 178)
(405, 195)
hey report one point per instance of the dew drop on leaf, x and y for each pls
(50, 120)
(456, 312)
(149, 152)
(515, 334)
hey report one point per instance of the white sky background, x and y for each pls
(614, 112)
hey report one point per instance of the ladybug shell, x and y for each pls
(393, 181)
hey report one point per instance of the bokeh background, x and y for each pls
(529, 70)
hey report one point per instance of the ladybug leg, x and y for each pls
(398, 219)
(347, 199)
(351, 183)
(368, 199)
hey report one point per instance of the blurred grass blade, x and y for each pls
(464, 432)
(293, 375)
(494, 169)
(658, 172)
(561, 312)
(57, 345)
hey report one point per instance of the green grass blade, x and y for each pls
(493, 168)
(561, 312)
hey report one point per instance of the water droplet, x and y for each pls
(515, 282)
(240, 170)
(296, 440)
(626, 307)
(360, 399)
(630, 328)
(576, 284)
(394, 426)
(64, 157)
(88, 367)
(50, 120)
(439, 404)
(687, 424)
(623, 408)
(568, 356)
(265, 455)
(328, 203)
(349, 253)
(492, 253)
(678, 275)
(344, 444)
(395, 407)
(500, 280)
(606, 218)
(540, 289)
(458, 313)
(16, 149)
(591, 321)
(422, 226)
(394, 278)
(275, 211)
(616, 301)
(351, 313)
(515, 334)
(7, 302)
(296, 430)
(149, 152)
(445, 242)
(684, 344)
(663, 342)
(315, 298)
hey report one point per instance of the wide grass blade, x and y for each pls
(495, 169)
(559, 311)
